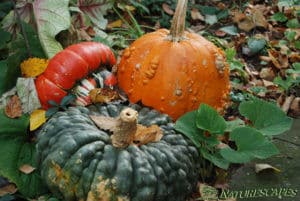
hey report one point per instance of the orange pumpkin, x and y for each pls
(174, 71)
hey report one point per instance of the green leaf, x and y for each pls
(256, 44)
(266, 117)
(211, 19)
(14, 153)
(250, 144)
(186, 125)
(209, 120)
(231, 30)
(51, 18)
(8, 74)
(293, 23)
(285, 84)
(4, 38)
(216, 158)
(279, 17)
(16, 150)
(13, 126)
(290, 34)
(231, 125)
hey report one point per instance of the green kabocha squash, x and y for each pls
(79, 161)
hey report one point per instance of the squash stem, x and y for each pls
(178, 22)
(125, 129)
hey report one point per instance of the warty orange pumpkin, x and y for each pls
(174, 71)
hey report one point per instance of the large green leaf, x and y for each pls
(186, 124)
(52, 17)
(8, 75)
(215, 158)
(9, 125)
(265, 116)
(250, 144)
(208, 119)
(16, 150)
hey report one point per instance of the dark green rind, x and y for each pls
(75, 156)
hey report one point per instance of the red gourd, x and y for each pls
(68, 66)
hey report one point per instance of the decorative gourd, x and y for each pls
(174, 71)
(69, 66)
(80, 162)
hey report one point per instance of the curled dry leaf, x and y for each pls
(167, 9)
(26, 169)
(145, 134)
(267, 74)
(259, 167)
(37, 118)
(142, 135)
(103, 95)
(295, 107)
(8, 189)
(196, 15)
(279, 60)
(13, 108)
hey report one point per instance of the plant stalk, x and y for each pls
(125, 128)
(178, 22)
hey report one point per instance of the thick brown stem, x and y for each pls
(178, 22)
(125, 129)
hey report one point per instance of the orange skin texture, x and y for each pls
(174, 77)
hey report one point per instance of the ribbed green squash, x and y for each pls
(78, 161)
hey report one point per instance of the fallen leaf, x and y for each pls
(259, 19)
(13, 108)
(115, 24)
(267, 74)
(279, 61)
(167, 9)
(259, 167)
(105, 123)
(287, 103)
(196, 15)
(103, 95)
(33, 67)
(268, 83)
(6, 97)
(145, 134)
(28, 95)
(244, 22)
(295, 107)
(37, 118)
(26, 169)
(8, 189)
(220, 33)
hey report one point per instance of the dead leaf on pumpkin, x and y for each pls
(143, 134)
(8, 189)
(13, 108)
(26, 169)
(37, 118)
(103, 95)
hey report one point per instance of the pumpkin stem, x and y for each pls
(125, 129)
(178, 22)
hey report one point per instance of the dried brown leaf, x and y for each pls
(145, 134)
(103, 95)
(167, 9)
(8, 189)
(13, 108)
(267, 74)
(259, 167)
(295, 107)
(259, 19)
(196, 15)
(279, 60)
(105, 123)
(27, 169)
